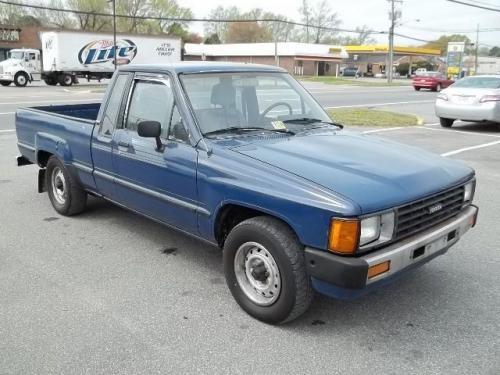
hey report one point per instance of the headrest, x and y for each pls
(223, 94)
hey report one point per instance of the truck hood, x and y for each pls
(10, 63)
(374, 173)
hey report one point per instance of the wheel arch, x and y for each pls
(230, 214)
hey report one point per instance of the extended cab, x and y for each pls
(242, 156)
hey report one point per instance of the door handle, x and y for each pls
(123, 144)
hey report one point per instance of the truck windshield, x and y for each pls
(253, 101)
(16, 55)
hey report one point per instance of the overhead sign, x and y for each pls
(9, 35)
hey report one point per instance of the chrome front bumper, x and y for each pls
(421, 247)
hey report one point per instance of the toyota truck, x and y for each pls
(242, 157)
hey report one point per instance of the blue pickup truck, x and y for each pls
(242, 156)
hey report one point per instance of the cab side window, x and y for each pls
(114, 103)
(154, 101)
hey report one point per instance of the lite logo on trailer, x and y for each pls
(102, 51)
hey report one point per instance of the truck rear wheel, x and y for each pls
(65, 79)
(5, 83)
(65, 193)
(21, 79)
(265, 270)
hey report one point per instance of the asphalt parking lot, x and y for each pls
(109, 292)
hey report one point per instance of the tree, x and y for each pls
(51, 18)
(221, 28)
(92, 22)
(212, 39)
(305, 10)
(442, 42)
(247, 32)
(495, 52)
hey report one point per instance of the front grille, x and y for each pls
(425, 213)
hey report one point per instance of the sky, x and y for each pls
(436, 17)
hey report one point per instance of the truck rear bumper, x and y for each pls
(346, 278)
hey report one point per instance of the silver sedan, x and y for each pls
(473, 99)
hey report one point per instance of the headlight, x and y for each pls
(469, 192)
(347, 235)
(442, 96)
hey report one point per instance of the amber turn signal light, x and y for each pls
(379, 269)
(344, 236)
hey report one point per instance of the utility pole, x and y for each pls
(114, 32)
(275, 32)
(394, 15)
(476, 64)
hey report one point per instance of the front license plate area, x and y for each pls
(434, 246)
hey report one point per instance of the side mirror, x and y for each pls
(151, 129)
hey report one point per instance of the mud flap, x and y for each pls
(41, 181)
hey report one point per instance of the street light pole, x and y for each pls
(114, 33)
(391, 44)
(476, 64)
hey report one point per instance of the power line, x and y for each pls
(474, 5)
(433, 30)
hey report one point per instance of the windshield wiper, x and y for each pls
(238, 129)
(310, 120)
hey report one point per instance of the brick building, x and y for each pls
(296, 58)
(15, 37)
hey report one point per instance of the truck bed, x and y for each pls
(80, 111)
(61, 130)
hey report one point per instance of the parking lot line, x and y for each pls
(383, 130)
(7, 131)
(381, 104)
(461, 132)
(6, 113)
(460, 150)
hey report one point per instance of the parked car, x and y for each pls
(434, 81)
(351, 72)
(474, 99)
(242, 157)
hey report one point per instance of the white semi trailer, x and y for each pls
(67, 55)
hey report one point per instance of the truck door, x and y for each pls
(32, 61)
(161, 184)
(102, 137)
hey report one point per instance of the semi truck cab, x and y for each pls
(22, 66)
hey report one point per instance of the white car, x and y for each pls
(473, 99)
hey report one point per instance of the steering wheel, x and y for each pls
(277, 104)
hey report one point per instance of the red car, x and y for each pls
(434, 81)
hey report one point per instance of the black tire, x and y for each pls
(74, 198)
(277, 239)
(65, 79)
(417, 88)
(21, 79)
(50, 81)
(5, 83)
(446, 122)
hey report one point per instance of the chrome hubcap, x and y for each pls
(257, 273)
(58, 185)
(21, 80)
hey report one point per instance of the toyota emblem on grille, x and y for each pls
(435, 208)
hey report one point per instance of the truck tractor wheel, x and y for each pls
(265, 270)
(50, 81)
(21, 79)
(5, 83)
(65, 193)
(65, 79)
(446, 122)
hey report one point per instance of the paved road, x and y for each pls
(110, 292)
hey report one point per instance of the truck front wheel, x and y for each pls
(65, 193)
(21, 79)
(265, 270)
(5, 83)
